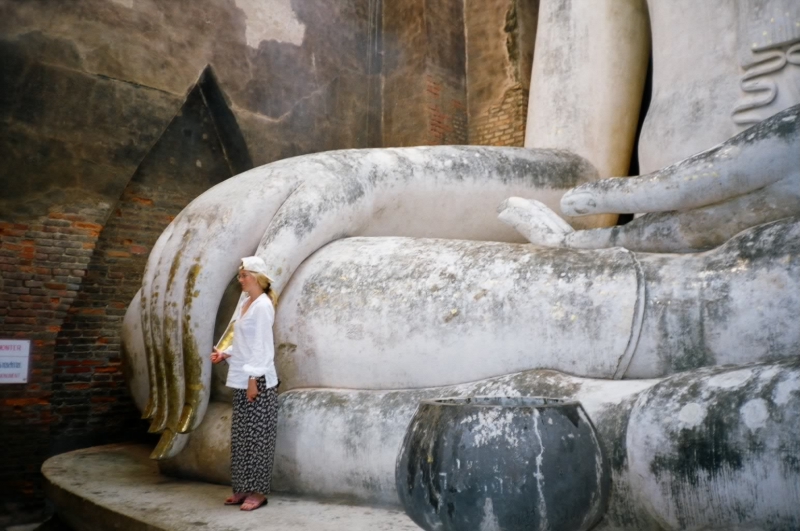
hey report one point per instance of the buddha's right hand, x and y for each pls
(287, 210)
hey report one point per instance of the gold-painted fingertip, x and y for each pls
(186, 420)
(149, 410)
(164, 446)
(159, 422)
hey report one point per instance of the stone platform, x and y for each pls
(118, 487)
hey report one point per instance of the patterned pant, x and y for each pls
(253, 433)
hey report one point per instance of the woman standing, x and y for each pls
(252, 376)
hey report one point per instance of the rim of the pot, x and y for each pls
(502, 401)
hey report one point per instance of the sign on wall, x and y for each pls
(14, 356)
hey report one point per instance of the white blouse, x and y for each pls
(252, 351)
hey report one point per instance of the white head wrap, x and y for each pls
(254, 264)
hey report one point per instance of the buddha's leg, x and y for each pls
(712, 446)
(397, 313)
(363, 430)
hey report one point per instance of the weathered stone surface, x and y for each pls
(728, 433)
(366, 313)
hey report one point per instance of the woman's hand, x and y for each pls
(218, 356)
(252, 390)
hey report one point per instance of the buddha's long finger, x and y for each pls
(148, 295)
(172, 347)
(441, 192)
(166, 372)
(757, 157)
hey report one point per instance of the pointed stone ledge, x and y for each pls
(117, 487)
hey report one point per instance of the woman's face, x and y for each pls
(247, 280)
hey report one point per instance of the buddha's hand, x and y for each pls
(287, 210)
(698, 203)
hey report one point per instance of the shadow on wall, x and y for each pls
(72, 253)
(201, 147)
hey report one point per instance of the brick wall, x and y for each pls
(503, 124)
(43, 262)
(67, 279)
(424, 88)
(90, 401)
(446, 106)
(501, 35)
(89, 397)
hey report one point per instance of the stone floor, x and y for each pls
(118, 487)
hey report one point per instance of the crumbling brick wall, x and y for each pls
(503, 123)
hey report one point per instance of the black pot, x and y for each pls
(502, 464)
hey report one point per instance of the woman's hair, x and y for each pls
(263, 281)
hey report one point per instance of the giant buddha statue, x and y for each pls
(417, 272)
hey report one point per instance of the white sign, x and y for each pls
(14, 356)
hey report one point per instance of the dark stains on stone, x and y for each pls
(760, 245)
(723, 443)
(784, 125)
(706, 449)
(612, 425)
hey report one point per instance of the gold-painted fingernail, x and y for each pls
(187, 417)
(164, 445)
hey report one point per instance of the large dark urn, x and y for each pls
(502, 464)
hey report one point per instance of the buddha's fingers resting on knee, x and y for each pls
(762, 155)
(534, 220)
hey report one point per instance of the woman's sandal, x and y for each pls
(252, 503)
(236, 499)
